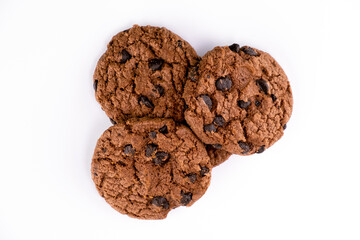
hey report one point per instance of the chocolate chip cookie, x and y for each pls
(142, 73)
(146, 167)
(238, 98)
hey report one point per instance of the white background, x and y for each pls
(307, 186)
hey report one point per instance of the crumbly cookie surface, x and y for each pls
(146, 167)
(217, 156)
(239, 99)
(142, 74)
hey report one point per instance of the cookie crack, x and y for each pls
(136, 173)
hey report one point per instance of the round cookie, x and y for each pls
(143, 73)
(146, 167)
(217, 156)
(239, 99)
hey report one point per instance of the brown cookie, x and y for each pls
(147, 167)
(142, 73)
(239, 98)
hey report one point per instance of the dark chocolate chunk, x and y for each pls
(284, 127)
(160, 202)
(150, 149)
(192, 73)
(192, 177)
(210, 128)
(223, 83)
(179, 43)
(192, 77)
(244, 146)
(95, 85)
(261, 149)
(273, 97)
(152, 134)
(104, 150)
(257, 103)
(95, 174)
(160, 90)
(128, 149)
(263, 85)
(217, 146)
(125, 56)
(203, 170)
(163, 129)
(207, 101)
(112, 121)
(186, 198)
(219, 121)
(160, 157)
(144, 100)
(156, 64)
(234, 47)
(249, 51)
(120, 163)
(243, 105)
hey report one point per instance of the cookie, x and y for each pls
(239, 99)
(146, 167)
(143, 73)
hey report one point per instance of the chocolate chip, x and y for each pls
(128, 149)
(104, 150)
(261, 149)
(112, 121)
(192, 177)
(257, 103)
(186, 198)
(210, 128)
(159, 89)
(152, 134)
(160, 202)
(284, 127)
(207, 101)
(160, 157)
(263, 85)
(244, 146)
(203, 170)
(125, 56)
(217, 146)
(95, 85)
(192, 77)
(273, 97)
(179, 43)
(249, 51)
(243, 105)
(192, 73)
(223, 83)
(234, 47)
(95, 174)
(219, 121)
(150, 149)
(156, 64)
(120, 163)
(163, 129)
(144, 100)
